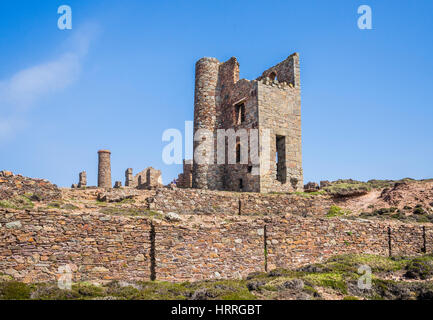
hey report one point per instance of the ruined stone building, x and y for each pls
(271, 102)
(146, 179)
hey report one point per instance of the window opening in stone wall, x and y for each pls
(280, 158)
(241, 185)
(240, 113)
(238, 152)
(272, 76)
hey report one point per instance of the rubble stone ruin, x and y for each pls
(271, 102)
(185, 179)
(148, 178)
(83, 180)
(104, 169)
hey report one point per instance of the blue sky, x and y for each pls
(125, 73)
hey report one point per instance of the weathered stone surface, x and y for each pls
(82, 180)
(16, 185)
(104, 169)
(116, 195)
(311, 187)
(271, 102)
(14, 225)
(172, 216)
(324, 183)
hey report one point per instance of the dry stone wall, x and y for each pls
(231, 250)
(198, 201)
(103, 247)
(33, 245)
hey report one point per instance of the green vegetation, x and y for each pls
(13, 290)
(18, 202)
(347, 188)
(420, 268)
(336, 211)
(310, 194)
(419, 214)
(338, 277)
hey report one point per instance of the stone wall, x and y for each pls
(33, 245)
(230, 250)
(98, 247)
(196, 201)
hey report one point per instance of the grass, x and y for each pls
(419, 214)
(346, 189)
(18, 202)
(336, 211)
(338, 276)
(331, 280)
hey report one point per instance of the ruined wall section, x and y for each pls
(244, 92)
(279, 98)
(286, 71)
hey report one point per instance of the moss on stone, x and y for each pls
(18, 202)
(14, 290)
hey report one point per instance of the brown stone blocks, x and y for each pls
(104, 169)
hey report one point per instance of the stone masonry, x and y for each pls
(98, 246)
(104, 169)
(146, 179)
(83, 179)
(184, 179)
(271, 103)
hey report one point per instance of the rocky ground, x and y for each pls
(338, 278)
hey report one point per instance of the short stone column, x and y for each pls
(128, 177)
(83, 180)
(104, 169)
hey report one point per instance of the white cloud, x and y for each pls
(26, 87)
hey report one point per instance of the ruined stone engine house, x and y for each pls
(271, 102)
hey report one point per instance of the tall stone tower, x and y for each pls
(104, 169)
(205, 109)
(269, 105)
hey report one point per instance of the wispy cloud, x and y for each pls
(27, 87)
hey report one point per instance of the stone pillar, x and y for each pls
(104, 169)
(128, 178)
(83, 180)
(205, 112)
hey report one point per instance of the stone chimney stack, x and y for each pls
(104, 169)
